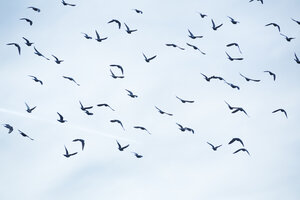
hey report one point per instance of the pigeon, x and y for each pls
(205, 77)
(35, 9)
(195, 48)
(29, 110)
(57, 60)
(9, 127)
(249, 79)
(88, 112)
(202, 15)
(142, 128)
(27, 42)
(39, 54)
(232, 85)
(84, 108)
(148, 59)
(214, 27)
(105, 105)
(61, 118)
(162, 112)
(215, 148)
(234, 44)
(71, 79)
(175, 46)
(281, 110)
(239, 109)
(236, 139)
(98, 37)
(233, 21)
(258, 0)
(271, 74)
(16, 45)
(131, 94)
(67, 4)
(120, 147)
(67, 155)
(191, 35)
(138, 11)
(242, 149)
(82, 142)
(27, 20)
(232, 59)
(275, 25)
(128, 30)
(183, 129)
(184, 101)
(24, 135)
(36, 79)
(137, 155)
(117, 121)
(118, 66)
(87, 36)
(115, 21)
(287, 38)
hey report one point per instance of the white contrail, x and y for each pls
(70, 126)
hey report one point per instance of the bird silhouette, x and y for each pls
(184, 101)
(229, 106)
(61, 118)
(9, 127)
(148, 59)
(287, 38)
(142, 128)
(35, 9)
(214, 27)
(191, 35)
(296, 59)
(119, 67)
(27, 20)
(16, 45)
(242, 149)
(67, 154)
(175, 46)
(88, 112)
(36, 79)
(137, 155)
(114, 76)
(233, 21)
(232, 85)
(71, 79)
(115, 21)
(87, 36)
(39, 54)
(298, 22)
(183, 129)
(202, 15)
(206, 77)
(81, 141)
(120, 147)
(28, 109)
(249, 79)
(275, 25)
(234, 44)
(131, 94)
(25, 135)
(57, 60)
(281, 110)
(98, 37)
(117, 121)
(128, 30)
(162, 112)
(231, 58)
(271, 74)
(105, 105)
(237, 109)
(67, 4)
(215, 148)
(236, 140)
(27, 42)
(84, 108)
(138, 11)
(195, 48)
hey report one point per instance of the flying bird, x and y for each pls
(138, 11)
(128, 30)
(183, 129)
(233, 21)
(39, 54)
(249, 79)
(27, 42)
(36, 79)
(234, 44)
(117, 121)
(232, 59)
(57, 60)
(206, 77)
(88, 112)
(67, 154)
(28, 109)
(184, 101)
(229, 106)
(232, 85)
(237, 109)
(24, 135)
(27, 20)
(61, 118)
(114, 76)
(191, 35)
(175, 46)
(142, 128)
(67, 4)
(9, 127)
(298, 22)
(275, 25)
(16, 45)
(35, 9)
(214, 27)
(137, 155)
(131, 94)
(162, 112)
(81, 141)
(71, 79)
(271, 74)
(115, 21)
(105, 105)
(236, 140)
(215, 148)
(119, 67)
(87, 36)
(148, 59)
(84, 108)
(120, 147)
(281, 110)
(242, 149)
(296, 59)
(287, 38)
(196, 48)
(261, 1)
(98, 37)
(202, 15)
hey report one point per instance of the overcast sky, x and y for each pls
(175, 164)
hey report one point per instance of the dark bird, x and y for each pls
(281, 110)
(81, 141)
(61, 118)
(128, 30)
(131, 94)
(232, 85)
(114, 76)
(195, 48)
(84, 108)
(27, 42)
(205, 77)
(296, 59)
(118, 66)
(115, 21)
(261, 1)
(16, 45)
(236, 109)
(202, 15)
(98, 37)
(230, 107)
(138, 11)
(87, 36)
(120, 147)
(242, 149)
(57, 60)
(233, 21)
(175, 46)
(236, 139)
(298, 22)
(35, 9)
(105, 105)
(71, 79)
(275, 25)
(9, 127)
(214, 27)
(39, 54)
(162, 112)
(36, 79)
(137, 155)
(24, 135)
(184, 101)
(148, 59)
(88, 112)
(287, 38)
(142, 128)
(217, 77)
(27, 20)
(215, 148)
(191, 35)
(183, 129)
(249, 79)
(117, 121)
(232, 59)
(271, 74)
(67, 4)
(234, 44)
(67, 155)
(28, 109)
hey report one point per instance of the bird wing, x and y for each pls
(152, 58)
(180, 125)
(229, 57)
(129, 92)
(97, 34)
(213, 23)
(60, 116)
(211, 145)
(191, 34)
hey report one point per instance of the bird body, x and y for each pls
(296, 59)
(27, 20)
(192, 36)
(137, 155)
(128, 30)
(25, 135)
(275, 25)
(98, 39)
(183, 129)
(148, 59)
(174, 45)
(281, 110)
(184, 101)
(120, 147)
(57, 60)
(214, 27)
(236, 140)
(61, 118)
(271, 74)
(87, 36)
(115, 21)
(249, 79)
(195, 48)
(242, 149)
(36, 79)
(117, 121)
(234, 44)
(215, 148)
(162, 112)
(71, 79)
(131, 94)
(105, 105)
(16, 45)
(67, 154)
(9, 127)
(231, 58)
(29, 110)
(27, 42)
(142, 128)
(35, 9)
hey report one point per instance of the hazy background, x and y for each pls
(176, 165)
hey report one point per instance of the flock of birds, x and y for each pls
(98, 38)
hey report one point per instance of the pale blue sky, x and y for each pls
(176, 165)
